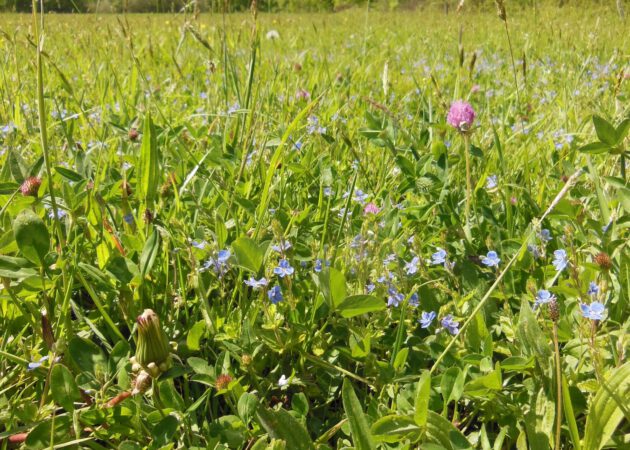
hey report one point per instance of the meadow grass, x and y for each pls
(285, 195)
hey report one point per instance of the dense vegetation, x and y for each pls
(289, 232)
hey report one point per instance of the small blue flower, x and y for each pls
(559, 260)
(275, 294)
(37, 364)
(545, 235)
(593, 288)
(543, 297)
(360, 196)
(327, 191)
(491, 259)
(318, 265)
(281, 247)
(594, 311)
(451, 325)
(199, 244)
(412, 266)
(414, 300)
(491, 182)
(283, 269)
(394, 297)
(439, 257)
(426, 319)
(389, 259)
(369, 288)
(223, 256)
(533, 250)
(128, 218)
(61, 213)
(256, 284)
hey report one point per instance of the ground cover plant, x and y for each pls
(356, 230)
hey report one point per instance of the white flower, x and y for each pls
(272, 34)
(283, 381)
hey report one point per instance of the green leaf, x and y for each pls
(356, 305)
(489, 382)
(195, 334)
(149, 253)
(333, 285)
(8, 188)
(595, 148)
(444, 433)
(247, 405)
(164, 431)
(608, 408)
(622, 130)
(570, 416)
(148, 170)
(282, 425)
(63, 387)
(423, 394)
(531, 337)
(361, 436)
(32, 236)
(12, 267)
(68, 174)
(249, 254)
(88, 356)
(605, 131)
(394, 428)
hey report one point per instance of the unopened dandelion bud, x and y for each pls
(153, 347)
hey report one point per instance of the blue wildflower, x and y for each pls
(451, 325)
(256, 284)
(491, 259)
(543, 297)
(439, 257)
(594, 311)
(491, 182)
(128, 218)
(275, 294)
(545, 235)
(281, 247)
(318, 265)
(327, 191)
(426, 319)
(369, 288)
(389, 259)
(559, 260)
(412, 266)
(394, 297)
(414, 300)
(37, 364)
(283, 269)
(360, 196)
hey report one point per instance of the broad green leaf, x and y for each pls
(333, 285)
(164, 431)
(356, 305)
(394, 428)
(195, 334)
(13, 267)
(622, 130)
(605, 131)
(40, 436)
(63, 387)
(32, 236)
(247, 406)
(489, 382)
(282, 425)
(423, 394)
(608, 408)
(359, 428)
(88, 356)
(595, 148)
(248, 253)
(444, 433)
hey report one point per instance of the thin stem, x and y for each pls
(558, 386)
